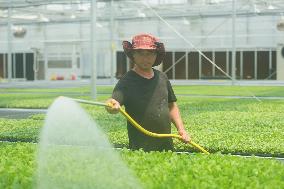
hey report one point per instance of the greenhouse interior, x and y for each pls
(49, 40)
(142, 94)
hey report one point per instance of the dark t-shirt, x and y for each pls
(146, 101)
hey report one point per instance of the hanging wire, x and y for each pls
(207, 35)
(185, 39)
(193, 46)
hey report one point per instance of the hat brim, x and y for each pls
(128, 50)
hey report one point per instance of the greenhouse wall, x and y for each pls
(69, 42)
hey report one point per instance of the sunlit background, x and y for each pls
(51, 39)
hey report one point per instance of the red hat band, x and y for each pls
(144, 41)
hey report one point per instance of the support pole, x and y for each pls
(233, 42)
(9, 38)
(112, 58)
(93, 53)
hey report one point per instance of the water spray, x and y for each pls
(139, 127)
(73, 152)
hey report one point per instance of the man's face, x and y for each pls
(144, 59)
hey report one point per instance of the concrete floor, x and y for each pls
(108, 82)
(15, 113)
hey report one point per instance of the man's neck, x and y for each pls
(144, 73)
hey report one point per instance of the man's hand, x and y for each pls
(185, 137)
(114, 106)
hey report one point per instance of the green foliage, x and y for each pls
(71, 90)
(42, 98)
(37, 101)
(25, 130)
(17, 165)
(236, 126)
(155, 169)
(228, 126)
(179, 89)
(230, 90)
(26, 100)
(170, 170)
(37, 117)
(218, 124)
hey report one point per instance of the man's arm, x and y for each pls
(177, 121)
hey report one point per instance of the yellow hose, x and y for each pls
(140, 128)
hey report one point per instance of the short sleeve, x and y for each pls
(118, 93)
(171, 93)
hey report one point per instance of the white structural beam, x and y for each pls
(233, 42)
(93, 53)
(112, 44)
(9, 41)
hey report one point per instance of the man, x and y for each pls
(147, 95)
